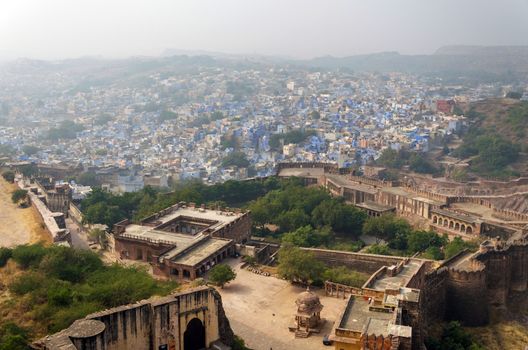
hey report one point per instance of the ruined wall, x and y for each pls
(368, 263)
(147, 325)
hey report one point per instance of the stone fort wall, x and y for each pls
(154, 324)
(368, 263)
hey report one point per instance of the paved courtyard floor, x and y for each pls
(260, 309)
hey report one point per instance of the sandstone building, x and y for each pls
(183, 241)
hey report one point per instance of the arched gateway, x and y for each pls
(194, 336)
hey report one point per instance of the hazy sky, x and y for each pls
(296, 28)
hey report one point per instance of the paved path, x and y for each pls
(79, 239)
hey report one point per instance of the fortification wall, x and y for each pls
(150, 324)
(467, 297)
(368, 263)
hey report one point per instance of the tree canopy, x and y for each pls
(237, 159)
(66, 130)
(221, 274)
(58, 285)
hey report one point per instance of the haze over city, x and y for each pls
(263, 174)
(57, 29)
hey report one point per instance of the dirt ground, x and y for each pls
(260, 309)
(18, 225)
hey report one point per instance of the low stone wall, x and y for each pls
(368, 263)
(75, 214)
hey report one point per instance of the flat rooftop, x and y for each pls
(375, 206)
(218, 218)
(200, 252)
(402, 191)
(455, 215)
(223, 217)
(301, 172)
(359, 318)
(342, 181)
(398, 281)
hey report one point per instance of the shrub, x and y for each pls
(71, 265)
(9, 176)
(29, 255)
(27, 283)
(345, 276)
(13, 337)
(378, 249)
(18, 195)
(5, 255)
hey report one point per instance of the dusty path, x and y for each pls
(18, 225)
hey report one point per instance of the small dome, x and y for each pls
(308, 301)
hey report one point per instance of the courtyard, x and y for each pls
(261, 308)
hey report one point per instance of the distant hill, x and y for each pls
(474, 62)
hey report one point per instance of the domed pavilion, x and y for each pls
(308, 316)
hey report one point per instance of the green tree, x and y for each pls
(5, 255)
(315, 115)
(418, 241)
(87, 179)
(298, 265)
(379, 249)
(167, 115)
(30, 150)
(341, 217)
(237, 159)
(391, 159)
(221, 274)
(19, 195)
(419, 164)
(454, 337)
(103, 119)
(307, 236)
(344, 275)
(456, 245)
(387, 227)
(13, 337)
(9, 176)
(99, 236)
(514, 94)
(292, 219)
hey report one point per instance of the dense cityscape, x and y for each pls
(219, 123)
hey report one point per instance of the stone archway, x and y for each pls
(194, 336)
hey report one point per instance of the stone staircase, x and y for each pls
(301, 333)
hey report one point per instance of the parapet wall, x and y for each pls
(368, 263)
